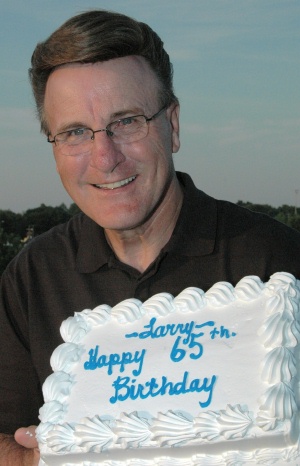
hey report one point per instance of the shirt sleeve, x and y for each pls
(20, 389)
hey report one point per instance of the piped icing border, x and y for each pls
(280, 335)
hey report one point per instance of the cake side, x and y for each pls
(224, 384)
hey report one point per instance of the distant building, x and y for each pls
(29, 235)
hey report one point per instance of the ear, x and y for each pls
(174, 120)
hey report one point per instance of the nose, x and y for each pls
(105, 154)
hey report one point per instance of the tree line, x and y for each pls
(16, 229)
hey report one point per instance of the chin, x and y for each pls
(115, 223)
(117, 217)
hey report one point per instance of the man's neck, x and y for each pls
(140, 246)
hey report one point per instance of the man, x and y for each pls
(103, 88)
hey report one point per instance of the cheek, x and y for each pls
(159, 144)
(68, 167)
(161, 151)
(61, 167)
(164, 144)
(58, 162)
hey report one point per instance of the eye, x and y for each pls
(127, 124)
(76, 132)
(74, 136)
(127, 121)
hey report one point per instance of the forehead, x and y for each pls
(118, 83)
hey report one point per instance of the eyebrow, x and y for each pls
(123, 113)
(70, 126)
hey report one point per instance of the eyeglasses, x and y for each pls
(129, 129)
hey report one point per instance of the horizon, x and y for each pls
(68, 206)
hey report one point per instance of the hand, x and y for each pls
(25, 436)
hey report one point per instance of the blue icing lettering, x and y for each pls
(178, 353)
(162, 331)
(128, 388)
(115, 360)
(222, 332)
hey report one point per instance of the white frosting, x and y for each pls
(262, 402)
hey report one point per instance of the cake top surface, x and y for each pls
(200, 369)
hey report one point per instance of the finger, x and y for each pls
(26, 436)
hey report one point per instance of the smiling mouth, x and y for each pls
(117, 184)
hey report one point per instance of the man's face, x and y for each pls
(119, 186)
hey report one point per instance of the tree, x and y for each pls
(295, 222)
(16, 229)
(45, 217)
(263, 208)
(10, 245)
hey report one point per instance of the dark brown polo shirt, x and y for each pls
(71, 268)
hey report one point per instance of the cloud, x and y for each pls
(19, 128)
(23, 117)
(277, 135)
(183, 54)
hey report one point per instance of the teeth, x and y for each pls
(118, 184)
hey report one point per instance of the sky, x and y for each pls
(236, 74)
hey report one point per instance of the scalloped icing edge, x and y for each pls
(190, 300)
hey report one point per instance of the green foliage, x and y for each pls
(286, 214)
(44, 217)
(16, 229)
(264, 208)
(10, 245)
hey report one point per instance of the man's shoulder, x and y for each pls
(248, 233)
(234, 225)
(236, 218)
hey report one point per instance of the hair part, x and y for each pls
(97, 36)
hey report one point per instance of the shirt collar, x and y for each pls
(194, 233)
(93, 250)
